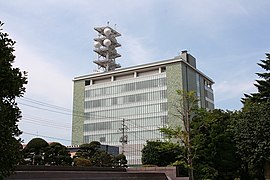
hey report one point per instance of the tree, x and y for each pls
(212, 139)
(120, 161)
(252, 137)
(263, 84)
(252, 131)
(34, 152)
(57, 154)
(186, 105)
(12, 82)
(88, 151)
(94, 154)
(102, 159)
(82, 162)
(161, 153)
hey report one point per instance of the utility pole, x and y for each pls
(124, 137)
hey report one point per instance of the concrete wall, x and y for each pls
(169, 171)
(91, 173)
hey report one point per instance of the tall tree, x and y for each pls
(186, 105)
(212, 137)
(12, 82)
(263, 84)
(252, 132)
(252, 137)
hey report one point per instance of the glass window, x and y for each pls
(87, 82)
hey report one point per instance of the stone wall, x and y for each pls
(169, 171)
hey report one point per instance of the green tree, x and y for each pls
(252, 131)
(120, 161)
(161, 153)
(89, 150)
(102, 159)
(94, 154)
(186, 104)
(252, 137)
(57, 154)
(263, 84)
(12, 82)
(212, 139)
(82, 162)
(34, 152)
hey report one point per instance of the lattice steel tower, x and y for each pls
(105, 46)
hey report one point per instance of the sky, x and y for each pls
(54, 44)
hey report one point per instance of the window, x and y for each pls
(87, 82)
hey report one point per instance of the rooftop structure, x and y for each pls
(105, 46)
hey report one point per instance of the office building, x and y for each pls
(125, 107)
(141, 97)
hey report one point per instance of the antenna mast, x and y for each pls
(105, 46)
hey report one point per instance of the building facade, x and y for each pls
(126, 107)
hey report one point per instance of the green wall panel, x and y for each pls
(174, 82)
(78, 112)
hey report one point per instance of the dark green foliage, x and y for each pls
(161, 153)
(252, 127)
(120, 161)
(39, 152)
(103, 159)
(34, 152)
(57, 154)
(252, 136)
(36, 144)
(263, 84)
(212, 138)
(12, 82)
(82, 162)
(88, 151)
(95, 155)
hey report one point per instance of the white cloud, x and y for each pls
(48, 84)
(136, 51)
(234, 89)
(45, 80)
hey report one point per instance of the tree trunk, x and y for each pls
(190, 164)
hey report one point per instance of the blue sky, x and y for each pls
(55, 42)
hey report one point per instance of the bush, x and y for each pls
(82, 162)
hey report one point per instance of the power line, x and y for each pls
(24, 132)
(47, 125)
(65, 111)
(45, 104)
(40, 119)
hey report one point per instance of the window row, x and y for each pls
(132, 123)
(209, 94)
(131, 136)
(126, 87)
(150, 96)
(209, 105)
(128, 111)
